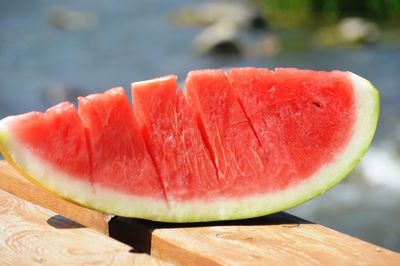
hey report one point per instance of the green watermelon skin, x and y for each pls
(246, 190)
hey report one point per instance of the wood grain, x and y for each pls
(14, 183)
(32, 235)
(274, 239)
(279, 239)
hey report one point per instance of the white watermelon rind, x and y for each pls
(67, 187)
(109, 201)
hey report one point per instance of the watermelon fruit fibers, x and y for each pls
(235, 144)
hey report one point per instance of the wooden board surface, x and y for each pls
(274, 239)
(32, 235)
(278, 239)
(12, 182)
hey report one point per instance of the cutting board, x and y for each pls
(269, 240)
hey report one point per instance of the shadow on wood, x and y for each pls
(61, 222)
(14, 183)
(32, 235)
(277, 239)
(138, 232)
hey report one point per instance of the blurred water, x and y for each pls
(134, 41)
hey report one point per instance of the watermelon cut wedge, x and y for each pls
(230, 145)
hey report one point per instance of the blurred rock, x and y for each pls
(267, 46)
(73, 20)
(226, 28)
(61, 93)
(349, 31)
(356, 30)
(238, 13)
(220, 38)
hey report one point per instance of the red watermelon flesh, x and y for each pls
(174, 141)
(57, 136)
(299, 132)
(236, 151)
(239, 145)
(118, 153)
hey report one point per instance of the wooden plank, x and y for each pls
(273, 239)
(279, 239)
(14, 183)
(32, 235)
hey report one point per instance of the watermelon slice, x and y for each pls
(238, 155)
(174, 141)
(119, 159)
(240, 144)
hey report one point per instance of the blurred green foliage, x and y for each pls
(311, 13)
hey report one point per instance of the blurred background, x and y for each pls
(52, 51)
